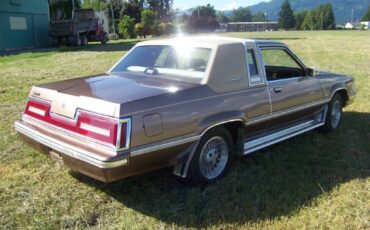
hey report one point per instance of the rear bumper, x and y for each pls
(94, 162)
(82, 160)
(66, 149)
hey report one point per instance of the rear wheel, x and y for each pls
(77, 40)
(334, 114)
(84, 40)
(212, 157)
(104, 39)
(55, 42)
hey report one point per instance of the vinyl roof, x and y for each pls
(205, 41)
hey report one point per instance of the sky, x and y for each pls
(218, 4)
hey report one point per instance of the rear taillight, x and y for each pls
(124, 133)
(37, 109)
(114, 132)
(99, 128)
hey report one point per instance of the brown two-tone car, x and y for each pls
(188, 103)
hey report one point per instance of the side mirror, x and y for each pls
(310, 72)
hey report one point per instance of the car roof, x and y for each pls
(207, 41)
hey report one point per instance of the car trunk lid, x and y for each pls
(103, 94)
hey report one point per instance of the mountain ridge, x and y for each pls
(342, 8)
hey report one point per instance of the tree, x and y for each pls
(286, 20)
(133, 9)
(299, 19)
(77, 4)
(60, 10)
(203, 18)
(242, 14)
(222, 18)
(126, 27)
(259, 17)
(148, 19)
(328, 19)
(94, 4)
(162, 8)
(112, 10)
(309, 22)
(169, 29)
(321, 18)
(139, 29)
(366, 16)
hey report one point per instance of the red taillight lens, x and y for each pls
(124, 135)
(97, 127)
(37, 109)
(103, 129)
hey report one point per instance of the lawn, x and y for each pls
(311, 181)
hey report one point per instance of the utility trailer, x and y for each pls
(85, 25)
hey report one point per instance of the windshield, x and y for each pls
(183, 63)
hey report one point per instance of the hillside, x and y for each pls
(342, 8)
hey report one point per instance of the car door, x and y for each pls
(294, 94)
(257, 82)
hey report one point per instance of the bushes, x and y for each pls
(148, 26)
(126, 27)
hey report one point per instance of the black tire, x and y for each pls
(77, 40)
(334, 114)
(84, 40)
(104, 40)
(202, 158)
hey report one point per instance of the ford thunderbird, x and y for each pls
(190, 103)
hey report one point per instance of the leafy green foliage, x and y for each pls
(321, 18)
(222, 18)
(203, 18)
(286, 20)
(148, 18)
(139, 29)
(61, 10)
(241, 14)
(162, 8)
(132, 9)
(299, 19)
(126, 27)
(366, 16)
(94, 4)
(259, 17)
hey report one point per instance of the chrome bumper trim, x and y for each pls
(64, 148)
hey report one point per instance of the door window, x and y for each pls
(280, 64)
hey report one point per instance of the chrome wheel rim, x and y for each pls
(336, 113)
(213, 157)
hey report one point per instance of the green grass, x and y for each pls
(308, 182)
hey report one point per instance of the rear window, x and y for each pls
(185, 63)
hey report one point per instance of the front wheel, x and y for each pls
(211, 158)
(334, 114)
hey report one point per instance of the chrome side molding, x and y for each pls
(265, 141)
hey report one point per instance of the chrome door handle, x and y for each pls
(278, 90)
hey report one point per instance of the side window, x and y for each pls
(255, 77)
(279, 64)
